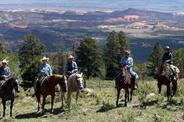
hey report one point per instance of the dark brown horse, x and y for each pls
(48, 88)
(169, 81)
(8, 91)
(123, 80)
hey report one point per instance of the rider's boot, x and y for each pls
(135, 86)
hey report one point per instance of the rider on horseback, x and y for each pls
(4, 71)
(44, 70)
(71, 66)
(128, 61)
(167, 57)
(167, 61)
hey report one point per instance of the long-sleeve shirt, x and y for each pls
(128, 61)
(45, 70)
(4, 73)
(167, 57)
(70, 67)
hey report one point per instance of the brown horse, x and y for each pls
(169, 81)
(123, 80)
(48, 88)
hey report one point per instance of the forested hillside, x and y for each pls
(100, 64)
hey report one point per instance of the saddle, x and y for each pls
(39, 82)
(170, 71)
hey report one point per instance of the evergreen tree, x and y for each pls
(155, 59)
(178, 57)
(89, 58)
(112, 55)
(123, 40)
(59, 61)
(29, 56)
(11, 57)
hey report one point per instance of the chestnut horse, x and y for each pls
(123, 80)
(48, 88)
(169, 81)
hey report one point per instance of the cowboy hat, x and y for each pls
(127, 52)
(45, 58)
(5, 61)
(167, 48)
(70, 57)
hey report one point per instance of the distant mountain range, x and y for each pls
(55, 28)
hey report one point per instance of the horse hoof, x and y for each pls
(52, 111)
(41, 112)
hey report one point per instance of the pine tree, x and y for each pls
(178, 57)
(89, 58)
(112, 55)
(59, 61)
(29, 56)
(155, 59)
(123, 40)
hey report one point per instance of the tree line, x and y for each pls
(93, 60)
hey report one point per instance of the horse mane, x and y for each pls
(4, 85)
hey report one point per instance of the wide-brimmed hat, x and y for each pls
(5, 61)
(70, 57)
(45, 58)
(127, 52)
(167, 48)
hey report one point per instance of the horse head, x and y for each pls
(80, 80)
(15, 83)
(125, 75)
(11, 84)
(124, 71)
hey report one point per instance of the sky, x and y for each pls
(161, 5)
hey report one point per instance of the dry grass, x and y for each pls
(100, 107)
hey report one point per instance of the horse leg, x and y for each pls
(68, 99)
(43, 103)
(131, 94)
(38, 100)
(77, 96)
(168, 91)
(118, 94)
(52, 102)
(4, 107)
(62, 99)
(159, 87)
(174, 87)
(11, 107)
(126, 97)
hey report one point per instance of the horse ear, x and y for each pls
(14, 76)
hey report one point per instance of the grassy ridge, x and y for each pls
(100, 106)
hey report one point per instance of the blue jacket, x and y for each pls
(129, 62)
(5, 71)
(45, 70)
(70, 67)
(167, 57)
